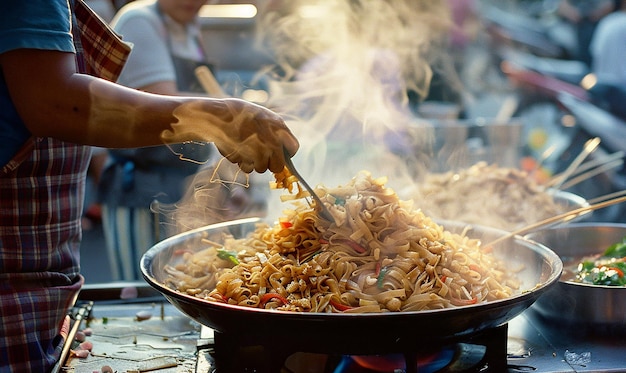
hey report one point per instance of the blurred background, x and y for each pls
(520, 83)
(496, 113)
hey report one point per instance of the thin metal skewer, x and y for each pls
(599, 161)
(589, 147)
(558, 218)
(589, 174)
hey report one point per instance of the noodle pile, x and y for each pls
(503, 198)
(379, 254)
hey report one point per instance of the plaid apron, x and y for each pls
(41, 202)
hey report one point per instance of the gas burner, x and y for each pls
(527, 343)
(480, 352)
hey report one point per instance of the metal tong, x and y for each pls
(320, 208)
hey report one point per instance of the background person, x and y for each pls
(584, 16)
(608, 63)
(50, 115)
(167, 49)
(608, 47)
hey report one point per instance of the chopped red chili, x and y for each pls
(268, 296)
(355, 246)
(340, 306)
(286, 224)
(463, 302)
(377, 270)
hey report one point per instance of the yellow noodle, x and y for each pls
(379, 254)
(504, 198)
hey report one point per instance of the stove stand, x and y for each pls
(484, 351)
(528, 343)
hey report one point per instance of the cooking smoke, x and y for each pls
(343, 75)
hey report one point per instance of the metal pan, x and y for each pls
(541, 270)
(575, 303)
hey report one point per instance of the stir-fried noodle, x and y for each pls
(500, 197)
(379, 254)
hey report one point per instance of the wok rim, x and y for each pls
(529, 295)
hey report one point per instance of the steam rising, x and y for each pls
(341, 80)
(347, 67)
(350, 33)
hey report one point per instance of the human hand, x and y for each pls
(256, 137)
(249, 135)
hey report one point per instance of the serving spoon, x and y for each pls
(320, 208)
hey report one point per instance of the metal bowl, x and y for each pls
(541, 269)
(569, 202)
(577, 303)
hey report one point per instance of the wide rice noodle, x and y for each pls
(379, 254)
(499, 197)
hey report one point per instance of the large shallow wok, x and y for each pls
(541, 269)
(576, 303)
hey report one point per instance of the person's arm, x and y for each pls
(55, 101)
(169, 87)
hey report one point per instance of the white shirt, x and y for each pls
(141, 23)
(608, 49)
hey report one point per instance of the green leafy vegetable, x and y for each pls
(227, 255)
(608, 269)
(617, 250)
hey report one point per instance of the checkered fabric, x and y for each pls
(41, 200)
(104, 51)
(99, 52)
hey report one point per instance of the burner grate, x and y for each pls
(484, 351)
